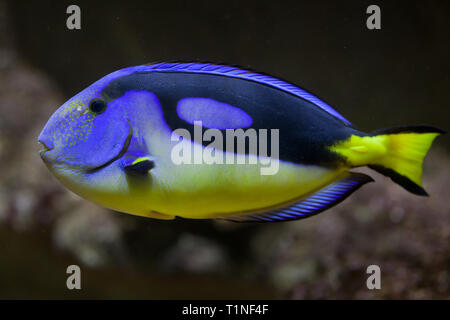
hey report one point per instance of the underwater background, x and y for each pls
(375, 78)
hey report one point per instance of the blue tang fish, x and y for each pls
(119, 142)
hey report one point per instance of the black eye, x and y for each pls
(97, 106)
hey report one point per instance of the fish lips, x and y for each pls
(47, 146)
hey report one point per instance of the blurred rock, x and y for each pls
(27, 98)
(195, 254)
(92, 234)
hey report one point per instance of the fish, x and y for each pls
(156, 140)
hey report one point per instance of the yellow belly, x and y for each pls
(208, 191)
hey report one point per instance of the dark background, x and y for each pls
(375, 78)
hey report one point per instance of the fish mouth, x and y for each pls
(120, 154)
(44, 149)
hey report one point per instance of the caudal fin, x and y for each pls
(406, 148)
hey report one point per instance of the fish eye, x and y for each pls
(97, 106)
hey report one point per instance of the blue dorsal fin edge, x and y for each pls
(321, 200)
(243, 73)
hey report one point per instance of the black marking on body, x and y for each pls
(305, 129)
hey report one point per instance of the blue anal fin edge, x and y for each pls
(315, 203)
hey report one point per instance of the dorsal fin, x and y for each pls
(241, 73)
(317, 202)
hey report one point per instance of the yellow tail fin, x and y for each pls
(397, 153)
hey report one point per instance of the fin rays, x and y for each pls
(317, 202)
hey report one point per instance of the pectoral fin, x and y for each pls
(137, 158)
(317, 202)
(137, 164)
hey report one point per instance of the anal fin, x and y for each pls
(315, 203)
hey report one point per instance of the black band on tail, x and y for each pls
(400, 179)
